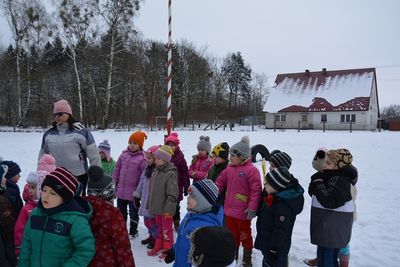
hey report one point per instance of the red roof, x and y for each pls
(321, 104)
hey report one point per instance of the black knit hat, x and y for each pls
(13, 169)
(281, 159)
(279, 178)
(212, 246)
(99, 184)
(63, 182)
(221, 150)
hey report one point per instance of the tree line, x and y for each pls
(90, 53)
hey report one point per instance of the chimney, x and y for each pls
(307, 72)
(324, 71)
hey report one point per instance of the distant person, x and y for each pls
(220, 153)
(113, 248)
(107, 162)
(70, 143)
(178, 159)
(282, 201)
(69, 242)
(128, 169)
(201, 162)
(12, 191)
(241, 183)
(332, 207)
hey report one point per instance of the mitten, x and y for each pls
(250, 213)
(170, 255)
(136, 202)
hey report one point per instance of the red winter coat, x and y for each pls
(113, 247)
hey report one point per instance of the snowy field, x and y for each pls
(376, 238)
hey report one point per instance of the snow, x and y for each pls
(375, 240)
(336, 89)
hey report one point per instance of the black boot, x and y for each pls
(146, 241)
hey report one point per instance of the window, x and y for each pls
(280, 117)
(347, 118)
(324, 118)
(304, 118)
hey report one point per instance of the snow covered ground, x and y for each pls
(376, 238)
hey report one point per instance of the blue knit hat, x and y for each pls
(13, 168)
(206, 194)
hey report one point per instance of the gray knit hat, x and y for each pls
(241, 149)
(279, 178)
(204, 144)
(281, 159)
(100, 184)
(206, 194)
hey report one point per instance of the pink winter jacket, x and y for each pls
(201, 165)
(242, 184)
(127, 172)
(20, 224)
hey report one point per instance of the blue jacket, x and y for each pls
(191, 222)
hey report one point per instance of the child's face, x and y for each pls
(159, 162)
(32, 191)
(269, 189)
(217, 160)
(50, 199)
(149, 160)
(203, 152)
(15, 179)
(235, 160)
(191, 202)
(61, 117)
(171, 145)
(329, 164)
(133, 146)
(102, 155)
(272, 166)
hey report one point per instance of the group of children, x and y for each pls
(226, 192)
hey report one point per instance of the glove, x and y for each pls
(170, 257)
(250, 213)
(136, 202)
(272, 256)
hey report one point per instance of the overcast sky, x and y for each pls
(286, 35)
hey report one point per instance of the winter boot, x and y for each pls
(146, 241)
(158, 246)
(151, 244)
(247, 257)
(311, 262)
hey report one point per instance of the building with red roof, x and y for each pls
(334, 100)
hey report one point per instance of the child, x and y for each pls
(46, 165)
(57, 232)
(242, 183)
(7, 222)
(107, 162)
(279, 159)
(332, 206)
(220, 154)
(178, 159)
(212, 246)
(32, 181)
(113, 247)
(283, 201)
(203, 210)
(142, 195)
(163, 199)
(12, 191)
(128, 169)
(201, 163)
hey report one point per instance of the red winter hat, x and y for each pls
(138, 137)
(62, 182)
(173, 138)
(62, 106)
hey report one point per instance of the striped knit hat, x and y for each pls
(13, 169)
(279, 178)
(206, 194)
(62, 182)
(106, 149)
(281, 159)
(164, 152)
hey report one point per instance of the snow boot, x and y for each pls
(247, 257)
(311, 262)
(158, 246)
(146, 241)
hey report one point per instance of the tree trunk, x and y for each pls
(78, 81)
(110, 71)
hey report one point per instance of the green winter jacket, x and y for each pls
(108, 167)
(58, 237)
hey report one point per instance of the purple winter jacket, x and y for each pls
(178, 159)
(242, 184)
(127, 172)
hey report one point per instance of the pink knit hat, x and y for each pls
(152, 150)
(62, 106)
(173, 138)
(46, 163)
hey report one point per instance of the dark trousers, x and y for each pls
(327, 257)
(281, 261)
(83, 179)
(177, 215)
(122, 205)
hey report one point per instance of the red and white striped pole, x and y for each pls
(169, 88)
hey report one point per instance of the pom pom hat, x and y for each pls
(62, 106)
(106, 149)
(204, 144)
(63, 182)
(173, 138)
(46, 163)
(241, 149)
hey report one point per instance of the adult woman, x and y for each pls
(70, 143)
